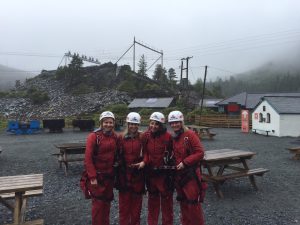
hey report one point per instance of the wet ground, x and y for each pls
(276, 203)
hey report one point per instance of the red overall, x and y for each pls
(100, 166)
(130, 199)
(188, 149)
(160, 197)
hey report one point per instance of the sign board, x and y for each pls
(245, 121)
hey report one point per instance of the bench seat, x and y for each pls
(212, 134)
(33, 222)
(258, 172)
(27, 194)
(296, 151)
(267, 131)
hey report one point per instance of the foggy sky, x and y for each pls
(229, 36)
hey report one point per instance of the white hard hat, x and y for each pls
(106, 114)
(157, 116)
(133, 117)
(175, 116)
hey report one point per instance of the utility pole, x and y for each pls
(185, 81)
(203, 91)
(133, 54)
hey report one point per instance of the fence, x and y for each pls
(224, 121)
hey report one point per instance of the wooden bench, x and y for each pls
(69, 152)
(61, 159)
(267, 131)
(20, 188)
(257, 172)
(33, 222)
(296, 151)
(27, 194)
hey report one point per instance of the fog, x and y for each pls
(230, 37)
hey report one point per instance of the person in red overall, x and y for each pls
(131, 179)
(100, 152)
(188, 152)
(156, 143)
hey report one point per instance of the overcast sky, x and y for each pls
(229, 36)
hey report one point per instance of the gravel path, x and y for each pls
(276, 203)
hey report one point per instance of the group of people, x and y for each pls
(154, 160)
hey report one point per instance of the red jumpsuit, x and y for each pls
(188, 149)
(131, 197)
(100, 166)
(160, 196)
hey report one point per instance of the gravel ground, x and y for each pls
(276, 202)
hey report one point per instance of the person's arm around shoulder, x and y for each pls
(196, 149)
(88, 159)
(142, 164)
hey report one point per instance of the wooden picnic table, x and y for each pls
(67, 150)
(202, 131)
(18, 185)
(296, 151)
(224, 164)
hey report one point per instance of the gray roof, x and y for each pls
(150, 103)
(210, 103)
(284, 105)
(251, 100)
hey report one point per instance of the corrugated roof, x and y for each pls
(150, 103)
(284, 105)
(210, 103)
(250, 100)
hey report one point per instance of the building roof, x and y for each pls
(284, 105)
(251, 100)
(210, 103)
(150, 103)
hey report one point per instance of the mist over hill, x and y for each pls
(8, 77)
(275, 76)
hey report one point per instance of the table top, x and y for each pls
(21, 183)
(71, 145)
(198, 127)
(221, 154)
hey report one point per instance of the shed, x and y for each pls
(153, 103)
(277, 115)
(244, 100)
(210, 103)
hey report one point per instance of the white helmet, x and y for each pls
(157, 116)
(133, 117)
(106, 114)
(175, 116)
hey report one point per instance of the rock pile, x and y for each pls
(61, 104)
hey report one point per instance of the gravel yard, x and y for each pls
(276, 203)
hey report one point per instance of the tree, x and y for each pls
(160, 75)
(142, 66)
(171, 74)
(17, 84)
(198, 86)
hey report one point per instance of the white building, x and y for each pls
(277, 116)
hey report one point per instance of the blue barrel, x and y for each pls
(34, 124)
(13, 125)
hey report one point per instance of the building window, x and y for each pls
(268, 118)
(264, 108)
(261, 118)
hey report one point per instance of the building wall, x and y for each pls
(289, 125)
(261, 126)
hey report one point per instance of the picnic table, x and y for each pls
(202, 131)
(66, 151)
(296, 151)
(20, 188)
(225, 164)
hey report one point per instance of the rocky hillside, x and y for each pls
(61, 103)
